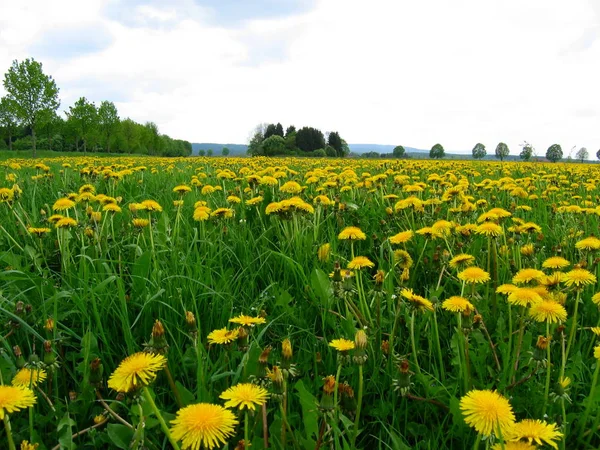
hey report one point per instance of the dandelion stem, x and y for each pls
(548, 368)
(160, 418)
(412, 341)
(573, 325)
(358, 405)
(246, 443)
(11, 442)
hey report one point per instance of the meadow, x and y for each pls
(298, 303)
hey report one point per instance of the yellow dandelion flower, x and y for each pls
(590, 243)
(342, 345)
(140, 223)
(474, 275)
(488, 412)
(352, 233)
(596, 299)
(254, 201)
(579, 277)
(548, 311)
(461, 260)
(555, 262)
(248, 321)
(203, 425)
(182, 189)
(458, 304)
(151, 206)
(25, 445)
(112, 207)
(245, 395)
(62, 204)
(15, 398)
(417, 301)
(402, 237)
(66, 222)
(527, 275)
(403, 258)
(223, 213)
(136, 371)
(535, 431)
(489, 229)
(222, 336)
(524, 297)
(201, 213)
(29, 377)
(360, 262)
(506, 289)
(324, 252)
(595, 330)
(38, 231)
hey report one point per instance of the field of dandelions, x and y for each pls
(309, 304)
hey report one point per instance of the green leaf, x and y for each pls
(65, 432)
(310, 415)
(120, 435)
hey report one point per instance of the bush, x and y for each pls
(320, 153)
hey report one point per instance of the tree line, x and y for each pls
(29, 120)
(271, 140)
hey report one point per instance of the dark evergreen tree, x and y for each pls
(279, 129)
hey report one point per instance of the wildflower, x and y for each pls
(597, 352)
(403, 258)
(140, 223)
(286, 349)
(458, 304)
(150, 206)
(555, 262)
(25, 445)
(222, 336)
(537, 431)
(352, 233)
(224, 213)
(15, 398)
(473, 275)
(342, 345)
(596, 299)
(248, 321)
(418, 302)
(527, 275)
(244, 395)
(548, 311)
(590, 243)
(579, 277)
(506, 289)
(203, 425)
(28, 377)
(66, 222)
(112, 207)
(489, 229)
(527, 250)
(524, 297)
(136, 371)
(62, 204)
(291, 187)
(201, 213)
(254, 201)
(38, 231)
(360, 262)
(462, 260)
(487, 411)
(324, 252)
(182, 189)
(402, 237)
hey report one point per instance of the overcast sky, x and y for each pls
(379, 71)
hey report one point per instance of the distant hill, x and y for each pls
(234, 149)
(364, 148)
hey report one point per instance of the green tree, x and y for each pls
(8, 118)
(479, 151)
(151, 138)
(32, 92)
(131, 134)
(51, 124)
(273, 145)
(526, 152)
(502, 151)
(84, 117)
(334, 140)
(279, 129)
(289, 130)
(225, 151)
(399, 151)
(201, 153)
(108, 122)
(582, 154)
(209, 152)
(598, 154)
(437, 152)
(554, 153)
(271, 130)
(309, 139)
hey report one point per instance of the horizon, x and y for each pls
(453, 74)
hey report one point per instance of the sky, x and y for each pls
(404, 72)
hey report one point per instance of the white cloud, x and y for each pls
(386, 71)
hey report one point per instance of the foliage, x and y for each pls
(479, 151)
(502, 151)
(225, 151)
(437, 152)
(273, 145)
(399, 152)
(526, 152)
(582, 154)
(554, 153)
(83, 115)
(309, 139)
(108, 122)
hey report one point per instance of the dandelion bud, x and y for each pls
(264, 356)
(243, 339)
(385, 347)
(402, 383)
(337, 272)
(539, 352)
(158, 343)
(318, 358)
(379, 277)
(72, 396)
(42, 212)
(20, 362)
(276, 377)
(19, 308)
(158, 331)
(405, 275)
(190, 323)
(28, 309)
(347, 400)
(328, 389)
(96, 372)
(324, 252)
(241, 445)
(477, 320)
(389, 211)
(286, 349)
(99, 419)
(49, 325)
(49, 356)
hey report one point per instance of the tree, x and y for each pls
(50, 124)
(201, 153)
(279, 129)
(32, 92)
(334, 140)
(108, 121)
(399, 151)
(582, 154)
(309, 139)
(8, 118)
(479, 151)
(209, 152)
(271, 130)
(84, 116)
(273, 145)
(151, 138)
(224, 151)
(598, 154)
(131, 134)
(502, 151)
(554, 153)
(289, 130)
(526, 152)
(437, 152)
